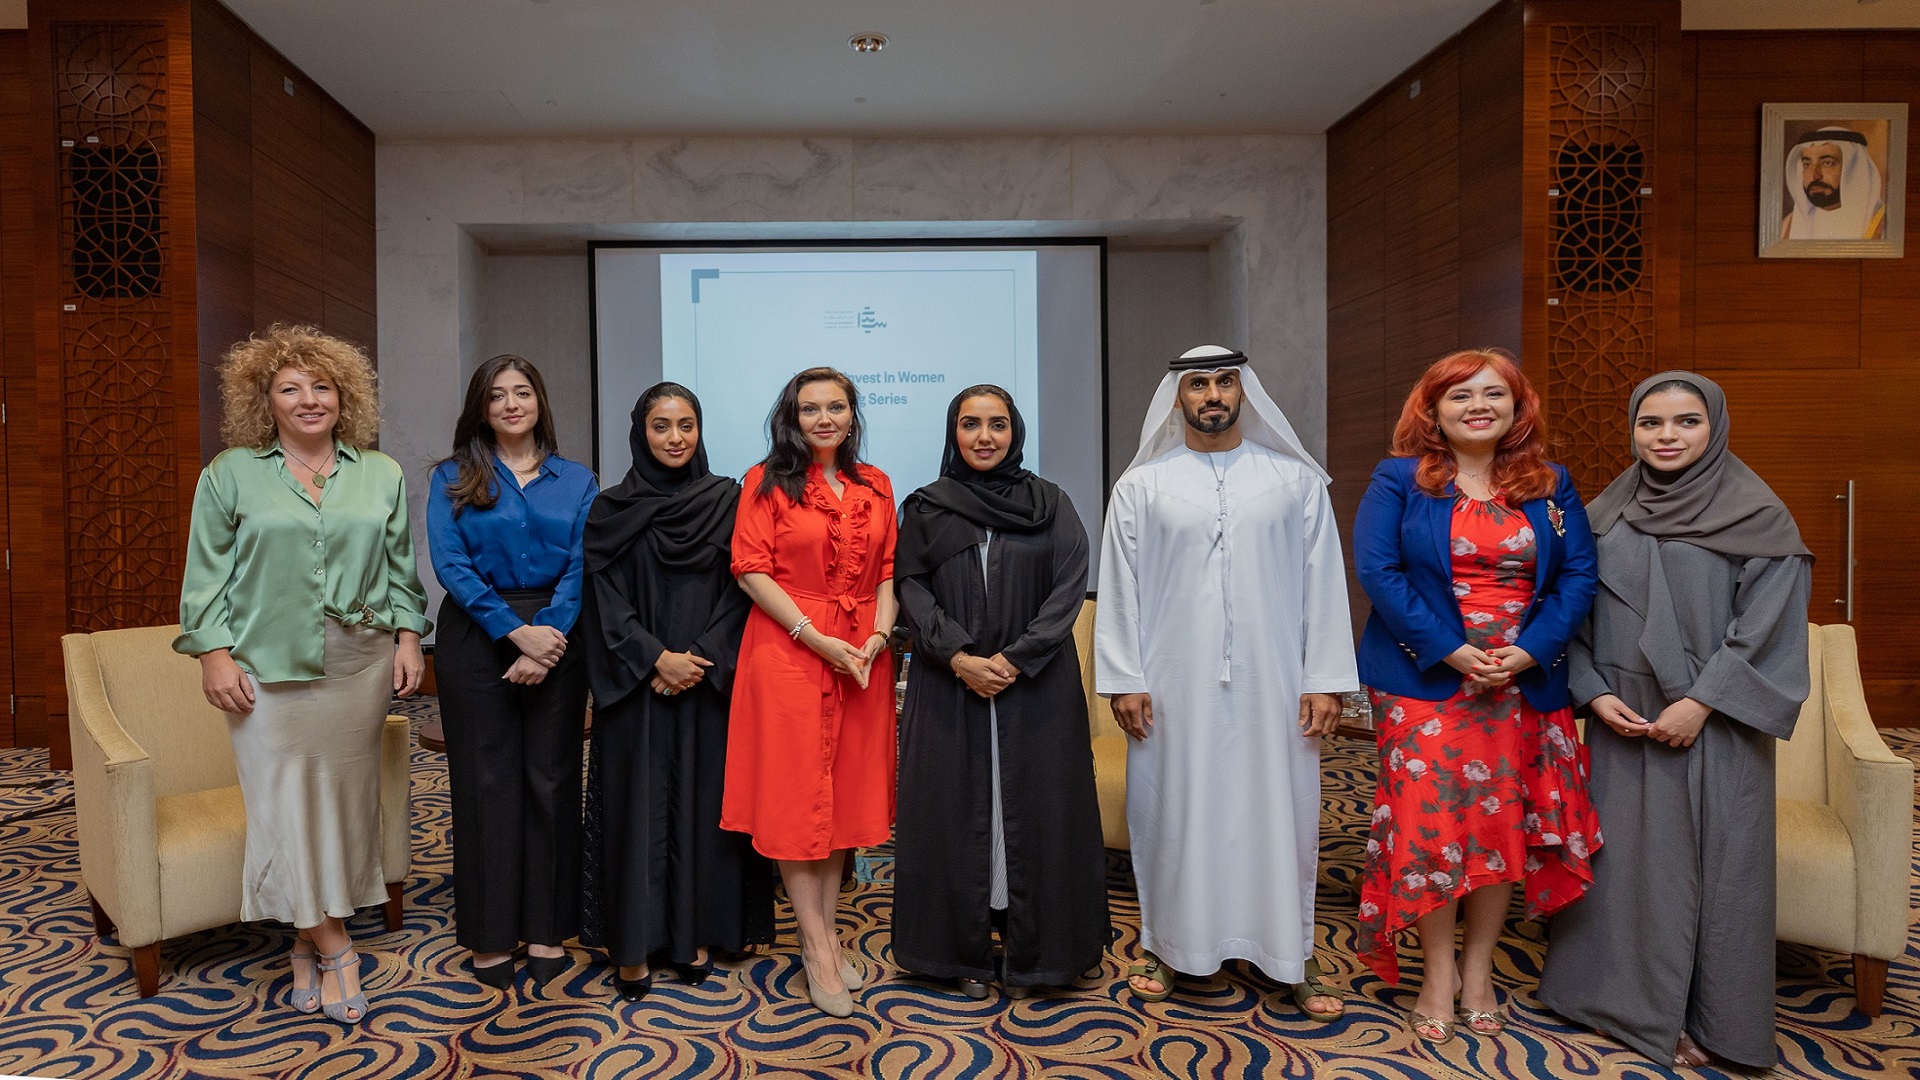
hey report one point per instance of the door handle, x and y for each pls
(1846, 601)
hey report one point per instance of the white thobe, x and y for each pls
(1223, 595)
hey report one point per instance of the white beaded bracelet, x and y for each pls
(805, 621)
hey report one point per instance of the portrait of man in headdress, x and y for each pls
(1839, 183)
(1836, 190)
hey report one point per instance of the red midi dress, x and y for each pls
(1480, 788)
(811, 756)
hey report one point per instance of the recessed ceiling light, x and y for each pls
(867, 42)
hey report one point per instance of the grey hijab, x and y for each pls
(1717, 503)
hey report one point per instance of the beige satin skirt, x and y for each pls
(309, 762)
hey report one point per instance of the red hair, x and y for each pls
(1520, 469)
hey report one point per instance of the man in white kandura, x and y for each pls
(1222, 636)
(1835, 188)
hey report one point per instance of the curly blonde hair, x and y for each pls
(249, 367)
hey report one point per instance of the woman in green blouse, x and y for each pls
(302, 603)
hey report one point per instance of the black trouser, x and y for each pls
(513, 767)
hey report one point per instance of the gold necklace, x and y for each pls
(533, 466)
(319, 478)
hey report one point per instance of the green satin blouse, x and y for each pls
(266, 567)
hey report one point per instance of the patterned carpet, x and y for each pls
(68, 1004)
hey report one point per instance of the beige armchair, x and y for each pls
(162, 827)
(1845, 824)
(1109, 742)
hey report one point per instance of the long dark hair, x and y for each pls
(473, 440)
(789, 454)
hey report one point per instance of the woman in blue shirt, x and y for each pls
(505, 520)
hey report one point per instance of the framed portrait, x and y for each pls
(1833, 180)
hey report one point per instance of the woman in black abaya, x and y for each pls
(664, 616)
(999, 823)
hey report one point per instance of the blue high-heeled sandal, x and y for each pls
(339, 1010)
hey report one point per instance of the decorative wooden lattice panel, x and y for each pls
(1600, 271)
(116, 330)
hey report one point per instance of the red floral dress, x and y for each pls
(1480, 788)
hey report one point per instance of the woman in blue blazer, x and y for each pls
(1476, 555)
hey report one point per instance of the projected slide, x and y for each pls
(911, 328)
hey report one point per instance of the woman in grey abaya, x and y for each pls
(1693, 662)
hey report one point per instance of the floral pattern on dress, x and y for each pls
(1480, 788)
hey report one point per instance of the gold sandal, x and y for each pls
(1421, 1023)
(1490, 1022)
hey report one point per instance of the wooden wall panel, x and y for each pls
(286, 123)
(1490, 178)
(222, 76)
(1422, 238)
(282, 298)
(222, 113)
(24, 670)
(288, 230)
(111, 392)
(1601, 158)
(346, 160)
(348, 322)
(1887, 574)
(1780, 333)
(1763, 404)
(1749, 312)
(116, 381)
(347, 254)
(1820, 357)
(294, 238)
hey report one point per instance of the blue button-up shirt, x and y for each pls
(529, 539)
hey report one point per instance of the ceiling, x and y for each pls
(438, 68)
(422, 68)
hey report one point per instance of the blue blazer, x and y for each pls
(1402, 551)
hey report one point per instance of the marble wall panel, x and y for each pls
(743, 179)
(982, 179)
(565, 180)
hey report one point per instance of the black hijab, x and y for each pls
(945, 518)
(685, 514)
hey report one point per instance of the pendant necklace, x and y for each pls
(530, 471)
(319, 478)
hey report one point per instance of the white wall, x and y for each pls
(1257, 203)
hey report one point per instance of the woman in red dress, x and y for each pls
(1478, 560)
(811, 747)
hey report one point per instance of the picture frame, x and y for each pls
(1852, 182)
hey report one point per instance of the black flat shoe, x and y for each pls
(545, 969)
(633, 989)
(499, 976)
(693, 974)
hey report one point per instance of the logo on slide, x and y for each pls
(869, 322)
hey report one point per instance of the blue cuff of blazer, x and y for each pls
(1432, 654)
